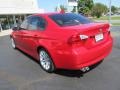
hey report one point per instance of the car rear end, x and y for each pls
(90, 44)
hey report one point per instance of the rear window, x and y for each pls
(69, 19)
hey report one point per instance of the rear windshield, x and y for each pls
(69, 19)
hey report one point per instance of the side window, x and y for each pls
(36, 23)
(41, 23)
(24, 24)
(32, 23)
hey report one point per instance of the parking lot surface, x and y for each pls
(20, 72)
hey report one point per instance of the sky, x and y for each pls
(49, 5)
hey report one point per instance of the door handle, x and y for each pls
(35, 35)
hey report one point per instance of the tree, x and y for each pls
(113, 9)
(99, 9)
(85, 6)
(74, 9)
(61, 7)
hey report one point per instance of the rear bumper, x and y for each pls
(82, 57)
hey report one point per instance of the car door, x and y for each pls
(19, 33)
(36, 26)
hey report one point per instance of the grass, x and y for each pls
(116, 24)
(107, 17)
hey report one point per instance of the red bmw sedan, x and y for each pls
(63, 40)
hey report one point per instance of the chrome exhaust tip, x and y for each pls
(85, 69)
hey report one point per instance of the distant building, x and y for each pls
(14, 11)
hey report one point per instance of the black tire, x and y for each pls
(13, 43)
(46, 61)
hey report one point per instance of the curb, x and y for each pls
(6, 32)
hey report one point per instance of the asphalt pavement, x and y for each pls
(18, 71)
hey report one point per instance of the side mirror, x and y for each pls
(15, 28)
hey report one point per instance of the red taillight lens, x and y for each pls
(74, 39)
(109, 30)
(77, 38)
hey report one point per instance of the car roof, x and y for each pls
(45, 14)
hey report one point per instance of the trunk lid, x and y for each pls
(89, 29)
(97, 33)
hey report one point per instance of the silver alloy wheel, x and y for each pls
(45, 60)
(13, 43)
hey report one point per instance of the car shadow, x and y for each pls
(76, 73)
(63, 72)
(27, 55)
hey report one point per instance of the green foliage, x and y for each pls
(74, 9)
(99, 9)
(85, 6)
(113, 9)
(61, 7)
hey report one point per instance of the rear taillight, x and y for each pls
(77, 38)
(83, 37)
(108, 32)
(109, 29)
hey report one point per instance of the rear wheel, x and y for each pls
(45, 61)
(13, 43)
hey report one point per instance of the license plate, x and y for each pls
(98, 37)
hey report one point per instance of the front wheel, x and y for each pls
(45, 61)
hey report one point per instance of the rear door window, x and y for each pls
(36, 23)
